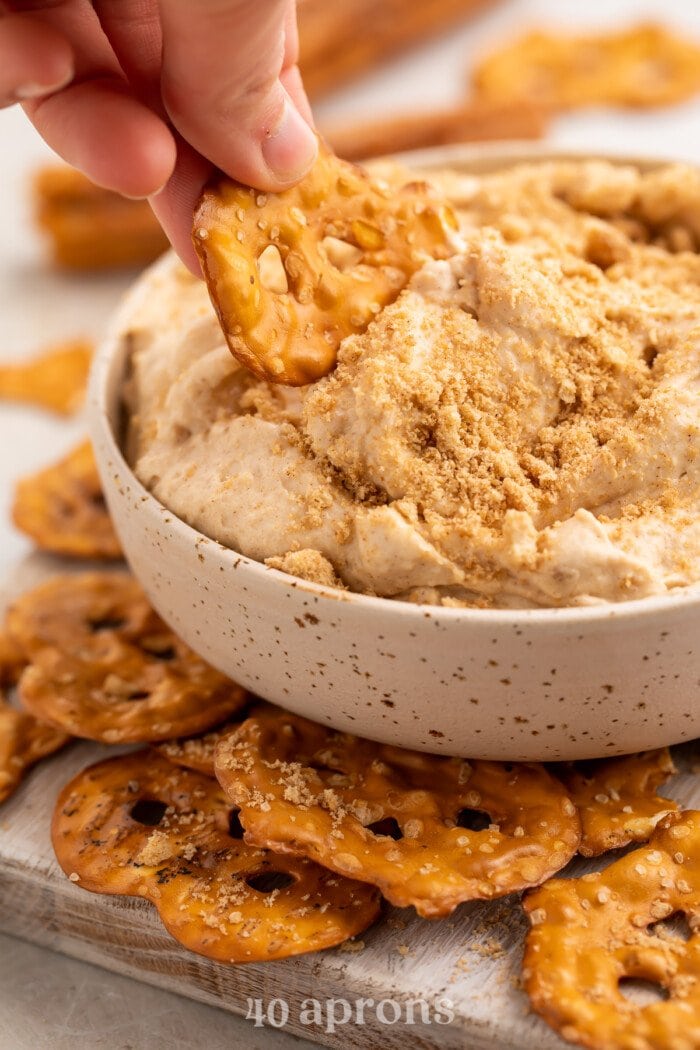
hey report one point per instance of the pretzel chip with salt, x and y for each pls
(617, 800)
(137, 825)
(644, 65)
(592, 935)
(24, 741)
(104, 666)
(427, 830)
(63, 510)
(292, 274)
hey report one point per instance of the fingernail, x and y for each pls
(291, 148)
(31, 90)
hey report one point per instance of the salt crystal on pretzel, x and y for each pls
(138, 825)
(292, 274)
(590, 935)
(104, 666)
(617, 800)
(427, 830)
(63, 510)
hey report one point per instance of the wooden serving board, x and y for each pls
(472, 959)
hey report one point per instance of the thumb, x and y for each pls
(221, 85)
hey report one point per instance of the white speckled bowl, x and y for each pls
(542, 684)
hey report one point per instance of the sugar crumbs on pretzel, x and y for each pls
(428, 831)
(617, 799)
(292, 274)
(592, 934)
(104, 666)
(62, 508)
(138, 825)
(198, 752)
(54, 379)
(643, 65)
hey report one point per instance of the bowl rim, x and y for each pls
(102, 424)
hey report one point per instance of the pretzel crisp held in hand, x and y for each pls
(137, 825)
(104, 666)
(590, 935)
(294, 273)
(617, 800)
(63, 510)
(428, 831)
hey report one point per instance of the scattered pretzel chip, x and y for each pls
(12, 660)
(104, 666)
(55, 379)
(63, 510)
(24, 741)
(591, 935)
(137, 825)
(645, 65)
(427, 830)
(292, 274)
(617, 800)
(90, 228)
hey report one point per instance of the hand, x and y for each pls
(146, 97)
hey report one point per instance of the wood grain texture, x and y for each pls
(472, 958)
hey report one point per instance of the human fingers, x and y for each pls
(221, 86)
(35, 59)
(96, 123)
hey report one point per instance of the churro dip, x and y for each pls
(520, 428)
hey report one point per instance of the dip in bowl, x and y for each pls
(478, 535)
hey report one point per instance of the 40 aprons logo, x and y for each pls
(330, 1014)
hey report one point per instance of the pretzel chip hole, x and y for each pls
(148, 811)
(387, 827)
(165, 653)
(273, 276)
(269, 881)
(341, 254)
(641, 992)
(235, 828)
(473, 820)
(106, 623)
(675, 928)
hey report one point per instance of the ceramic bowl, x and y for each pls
(542, 684)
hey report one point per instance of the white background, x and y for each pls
(46, 1001)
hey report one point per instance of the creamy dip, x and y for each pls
(520, 428)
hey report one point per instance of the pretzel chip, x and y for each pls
(63, 510)
(643, 66)
(24, 741)
(617, 800)
(196, 752)
(139, 826)
(55, 379)
(427, 830)
(12, 660)
(591, 935)
(292, 274)
(105, 667)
